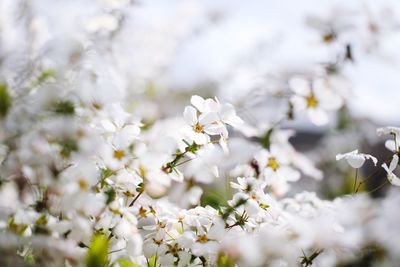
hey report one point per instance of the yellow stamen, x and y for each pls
(119, 154)
(198, 128)
(202, 239)
(312, 102)
(273, 163)
(142, 212)
(83, 184)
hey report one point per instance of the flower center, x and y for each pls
(272, 163)
(312, 102)
(142, 212)
(119, 154)
(174, 249)
(202, 239)
(158, 242)
(83, 184)
(198, 128)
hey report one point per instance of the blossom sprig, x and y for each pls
(83, 183)
(206, 119)
(177, 161)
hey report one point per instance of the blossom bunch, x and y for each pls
(106, 162)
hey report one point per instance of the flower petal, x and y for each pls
(394, 162)
(214, 129)
(207, 118)
(356, 160)
(190, 115)
(300, 85)
(198, 102)
(318, 116)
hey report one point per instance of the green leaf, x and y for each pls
(5, 100)
(106, 172)
(266, 139)
(213, 199)
(45, 75)
(97, 254)
(110, 194)
(64, 107)
(127, 263)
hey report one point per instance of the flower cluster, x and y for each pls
(102, 164)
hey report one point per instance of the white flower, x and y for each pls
(248, 184)
(388, 130)
(275, 166)
(355, 159)
(204, 168)
(103, 22)
(204, 105)
(228, 115)
(201, 127)
(315, 97)
(226, 112)
(393, 179)
(208, 243)
(155, 244)
(152, 168)
(393, 144)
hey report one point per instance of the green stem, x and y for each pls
(355, 181)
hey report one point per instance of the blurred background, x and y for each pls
(162, 52)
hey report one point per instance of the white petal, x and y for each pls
(355, 161)
(385, 167)
(190, 115)
(167, 260)
(207, 118)
(299, 103)
(326, 97)
(288, 174)
(224, 145)
(198, 102)
(318, 116)
(374, 160)
(394, 162)
(214, 129)
(214, 170)
(391, 145)
(340, 156)
(393, 179)
(149, 249)
(228, 115)
(200, 138)
(176, 175)
(300, 85)
(388, 130)
(211, 105)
